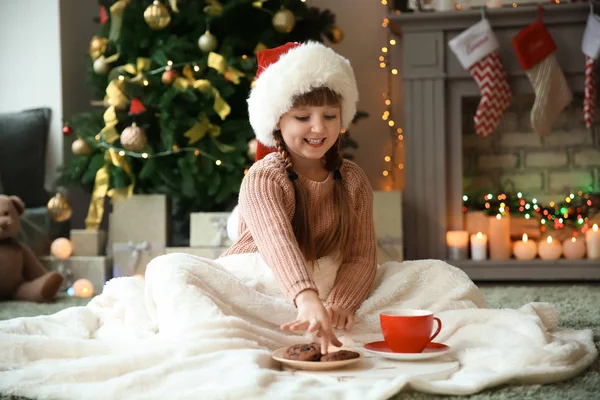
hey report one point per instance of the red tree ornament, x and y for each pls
(136, 107)
(103, 15)
(67, 130)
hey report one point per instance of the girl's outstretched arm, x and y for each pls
(357, 272)
(266, 204)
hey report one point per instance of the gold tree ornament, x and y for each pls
(207, 42)
(80, 147)
(335, 34)
(59, 208)
(157, 16)
(97, 47)
(133, 138)
(284, 21)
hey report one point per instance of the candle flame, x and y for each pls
(498, 216)
(525, 237)
(479, 235)
(595, 228)
(573, 239)
(549, 239)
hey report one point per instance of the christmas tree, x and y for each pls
(171, 81)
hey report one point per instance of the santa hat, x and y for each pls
(294, 69)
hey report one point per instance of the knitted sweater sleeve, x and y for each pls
(357, 272)
(266, 204)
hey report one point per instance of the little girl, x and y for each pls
(301, 201)
(304, 261)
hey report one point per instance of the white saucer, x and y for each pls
(315, 365)
(432, 350)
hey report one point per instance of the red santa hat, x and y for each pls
(290, 70)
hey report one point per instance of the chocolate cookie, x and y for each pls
(303, 352)
(340, 355)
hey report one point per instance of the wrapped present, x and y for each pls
(131, 258)
(88, 242)
(209, 229)
(139, 218)
(387, 213)
(211, 253)
(97, 269)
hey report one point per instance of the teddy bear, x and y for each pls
(22, 276)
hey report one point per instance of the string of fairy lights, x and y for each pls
(393, 161)
(576, 210)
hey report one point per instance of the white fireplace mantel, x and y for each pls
(434, 83)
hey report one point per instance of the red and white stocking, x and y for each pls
(477, 50)
(591, 48)
(536, 52)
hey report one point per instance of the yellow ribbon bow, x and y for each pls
(141, 65)
(115, 96)
(201, 128)
(182, 83)
(218, 63)
(101, 182)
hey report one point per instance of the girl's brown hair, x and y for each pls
(336, 240)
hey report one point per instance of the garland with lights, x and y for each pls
(574, 211)
(394, 161)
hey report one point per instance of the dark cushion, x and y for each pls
(23, 138)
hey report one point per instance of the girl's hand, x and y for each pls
(340, 317)
(313, 317)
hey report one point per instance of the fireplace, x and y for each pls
(438, 102)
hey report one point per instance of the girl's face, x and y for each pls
(309, 131)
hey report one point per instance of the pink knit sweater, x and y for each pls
(266, 206)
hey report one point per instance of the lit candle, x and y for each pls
(573, 249)
(525, 249)
(549, 249)
(592, 238)
(499, 237)
(83, 288)
(458, 244)
(479, 246)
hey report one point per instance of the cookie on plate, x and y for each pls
(340, 355)
(303, 352)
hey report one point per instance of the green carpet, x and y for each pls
(579, 307)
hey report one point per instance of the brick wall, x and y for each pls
(548, 167)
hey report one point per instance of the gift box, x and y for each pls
(209, 229)
(131, 258)
(97, 269)
(211, 253)
(387, 213)
(140, 218)
(138, 231)
(88, 242)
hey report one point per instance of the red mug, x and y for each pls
(408, 331)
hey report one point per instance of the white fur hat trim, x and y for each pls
(301, 69)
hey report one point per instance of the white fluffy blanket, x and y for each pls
(201, 329)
